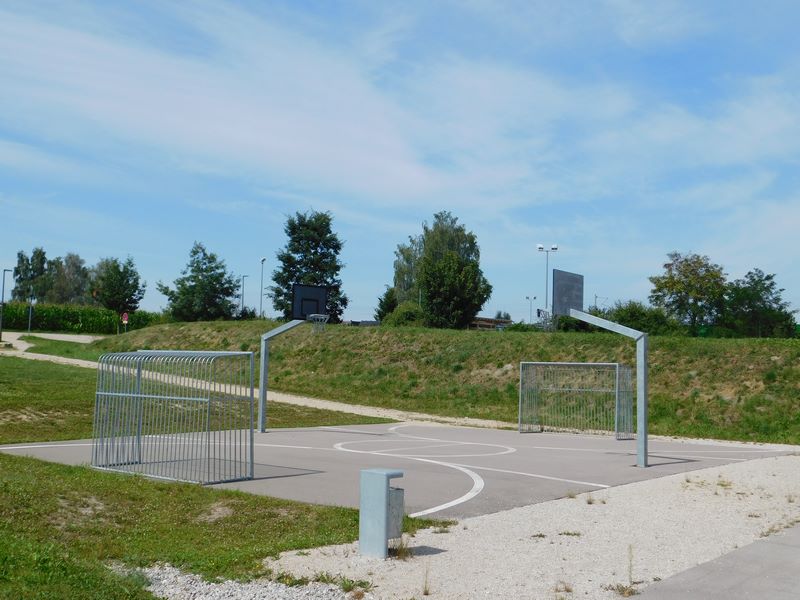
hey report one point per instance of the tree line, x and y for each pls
(111, 283)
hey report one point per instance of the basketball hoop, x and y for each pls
(318, 322)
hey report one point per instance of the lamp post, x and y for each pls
(530, 300)
(30, 309)
(261, 291)
(3, 302)
(241, 308)
(541, 248)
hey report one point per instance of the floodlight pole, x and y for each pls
(263, 378)
(641, 375)
(30, 309)
(530, 300)
(261, 291)
(541, 248)
(3, 302)
(241, 307)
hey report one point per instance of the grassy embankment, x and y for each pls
(60, 526)
(740, 389)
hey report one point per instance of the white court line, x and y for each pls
(443, 445)
(348, 430)
(477, 481)
(42, 446)
(589, 483)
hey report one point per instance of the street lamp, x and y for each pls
(241, 308)
(530, 300)
(261, 292)
(3, 302)
(541, 248)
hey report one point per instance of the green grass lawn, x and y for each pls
(738, 389)
(60, 526)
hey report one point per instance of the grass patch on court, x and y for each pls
(739, 389)
(59, 526)
(41, 401)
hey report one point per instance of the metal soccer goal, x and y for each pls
(590, 397)
(180, 415)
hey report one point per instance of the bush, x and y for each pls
(408, 313)
(74, 318)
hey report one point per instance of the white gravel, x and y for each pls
(638, 533)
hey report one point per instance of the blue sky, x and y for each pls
(619, 130)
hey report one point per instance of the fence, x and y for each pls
(179, 415)
(591, 397)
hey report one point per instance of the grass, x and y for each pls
(42, 401)
(60, 526)
(741, 389)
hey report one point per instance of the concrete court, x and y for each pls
(449, 471)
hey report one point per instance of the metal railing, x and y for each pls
(180, 415)
(580, 397)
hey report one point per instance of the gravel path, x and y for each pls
(583, 547)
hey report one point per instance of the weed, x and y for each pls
(571, 495)
(754, 515)
(400, 549)
(442, 530)
(325, 577)
(303, 553)
(589, 499)
(426, 588)
(563, 586)
(791, 498)
(350, 585)
(570, 533)
(724, 483)
(626, 591)
(290, 580)
(538, 535)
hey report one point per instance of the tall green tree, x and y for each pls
(450, 279)
(205, 291)
(310, 257)
(692, 289)
(68, 280)
(117, 285)
(30, 275)
(754, 307)
(386, 304)
(406, 266)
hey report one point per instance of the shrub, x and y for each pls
(407, 313)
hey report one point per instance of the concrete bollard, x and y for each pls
(381, 512)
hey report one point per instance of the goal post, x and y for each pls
(580, 397)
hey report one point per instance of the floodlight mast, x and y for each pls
(541, 248)
(530, 300)
(261, 291)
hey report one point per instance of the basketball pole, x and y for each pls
(641, 375)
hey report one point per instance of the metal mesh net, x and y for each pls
(590, 397)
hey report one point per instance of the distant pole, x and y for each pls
(3, 302)
(261, 291)
(241, 307)
(530, 300)
(30, 309)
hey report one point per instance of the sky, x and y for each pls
(619, 130)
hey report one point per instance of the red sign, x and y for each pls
(124, 318)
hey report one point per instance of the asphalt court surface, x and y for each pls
(448, 471)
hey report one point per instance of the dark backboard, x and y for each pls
(567, 292)
(309, 300)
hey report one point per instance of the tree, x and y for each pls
(117, 285)
(637, 315)
(386, 304)
(310, 257)
(30, 276)
(68, 280)
(449, 276)
(502, 315)
(205, 292)
(406, 265)
(754, 307)
(692, 289)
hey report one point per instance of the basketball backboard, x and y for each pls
(309, 300)
(567, 292)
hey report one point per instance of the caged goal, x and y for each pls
(180, 415)
(581, 397)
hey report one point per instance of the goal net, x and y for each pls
(580, 397)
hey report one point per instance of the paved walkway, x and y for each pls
(768, 568)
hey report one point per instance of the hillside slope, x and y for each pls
(734, 389)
